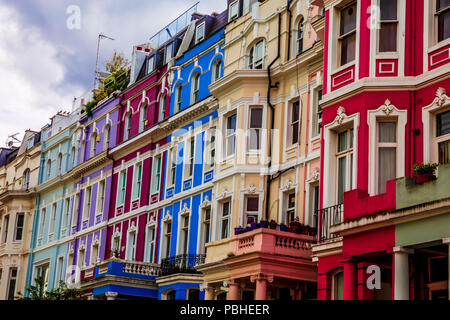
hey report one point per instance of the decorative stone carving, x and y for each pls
(288, 186)
(441, 97)
(185, 211)
(340, 115)
(315, 175)
(387, 107)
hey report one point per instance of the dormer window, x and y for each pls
(388, 26)
(150, 65)
(256, 58)
(169, 49)
(233, 10)
(200, 33)
(443, 19)
(347, 34)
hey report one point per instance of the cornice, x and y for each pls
(90, 164)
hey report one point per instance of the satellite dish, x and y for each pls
(12, 140)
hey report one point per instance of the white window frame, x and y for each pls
(251, 213)
(210, 147)
(151, 64)
(256, 62)
(16, 226)
(87, 203)
(162, 107)
(184, 233)
(6, 224)
(66, 216)
(156, 176)
(387, 112)
(172, 169)
(202, 227)
(228, 136)
(260, 133)
(341, 37)
(127, 128)
(195, 91)
(81, 263)
(168, 52)
(222, 218)
(165, 244)
(122, 187)
(189, 157)
(106, 137)
(51, 229)
(93, 145)
(178, 101)
(302, 38)
(201, 26)
(42, 218)
(101, 196)
(143, 117)
(130, 253)
(137, 181)
(349, 155)
(59, 163)
(59, 276)
(217, 64)
(230, 11)
(149, 254)
(397, 21)
(75, 209)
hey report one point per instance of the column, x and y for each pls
(233, 291)
(447, 242)
(111, 295)
(350, 280)
(261, 285)
(401, 273)
(209, 291)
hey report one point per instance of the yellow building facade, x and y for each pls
(268, 153)
(18, 179)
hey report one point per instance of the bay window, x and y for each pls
(255, 129)
(347, 34)
(443, 19)
(388, 26)
(345, 164)
(387, 154)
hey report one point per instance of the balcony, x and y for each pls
(275, 242)
(183, 263)
(327, 218)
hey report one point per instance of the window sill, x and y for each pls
(439, 45)
(345, 66)
(387, 55)
(291, 147)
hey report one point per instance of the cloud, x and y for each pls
(32, 79)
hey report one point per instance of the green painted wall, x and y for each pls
(421, 231)
(410, 194)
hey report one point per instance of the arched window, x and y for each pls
(143, 117)
(93, 145)
(106, 137)
(127, 129)
(300, 34)
(59, 163)
(26, 179)
(177, 106)
(256, 57)
(195, 87)
(217, 70)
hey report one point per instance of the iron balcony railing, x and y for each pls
(327, 217)
(183, 263)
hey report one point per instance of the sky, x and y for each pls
(47, 59)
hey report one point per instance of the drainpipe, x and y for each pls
(289, 29)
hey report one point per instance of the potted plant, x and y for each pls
(283, 227)
(295, 225)
(253, 226)
(264, 224)
(425, 172)
(238, 230)
(272, 224)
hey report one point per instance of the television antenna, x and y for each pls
(12, 140)
(100, 37)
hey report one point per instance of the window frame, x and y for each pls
(172, 169)
(229, 135)
(254, 64)
(379, 145)
(349, 154)
(101, 195)
(178, 97)
(300, 35)
(162, 107)
(258, 130)
(236, 15)
(87, 203)
(52, 223)
(149, 254)
(190, 145)
(184, 233)
(438, 139)
(122, 187)
(225, 218)
(167, 238)
(127, 127)
(142, 117)
(248, 213)
(137, 181)
(167, 52)
(156, 172)
(195, 88)
(151, 64)
(437, 14)
(5, 228)
(342, 37)
(199, 27)
(130, 252)
(397, 22)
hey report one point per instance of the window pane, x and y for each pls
(291, 201)
(256, 118)
(231, 124)
(226, 208)
(444, 152)
(348, 46)
(387, 132)
(386, 167)
(342, 169)
(388, 37)
(440, 4)
(295, 111)
(444, 26)
(252, 204)
(295, 133)
(224, 228)
(339, 286)
(388, 10)
(348, 19)
(342, 141)
(351, 138)
(443, 123)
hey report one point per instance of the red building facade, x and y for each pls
(386, 71)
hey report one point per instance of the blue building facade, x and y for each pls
(189, 157)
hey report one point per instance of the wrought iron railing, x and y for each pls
(183, 263)
(327, 217)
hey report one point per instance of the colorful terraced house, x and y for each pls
(385, 109)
